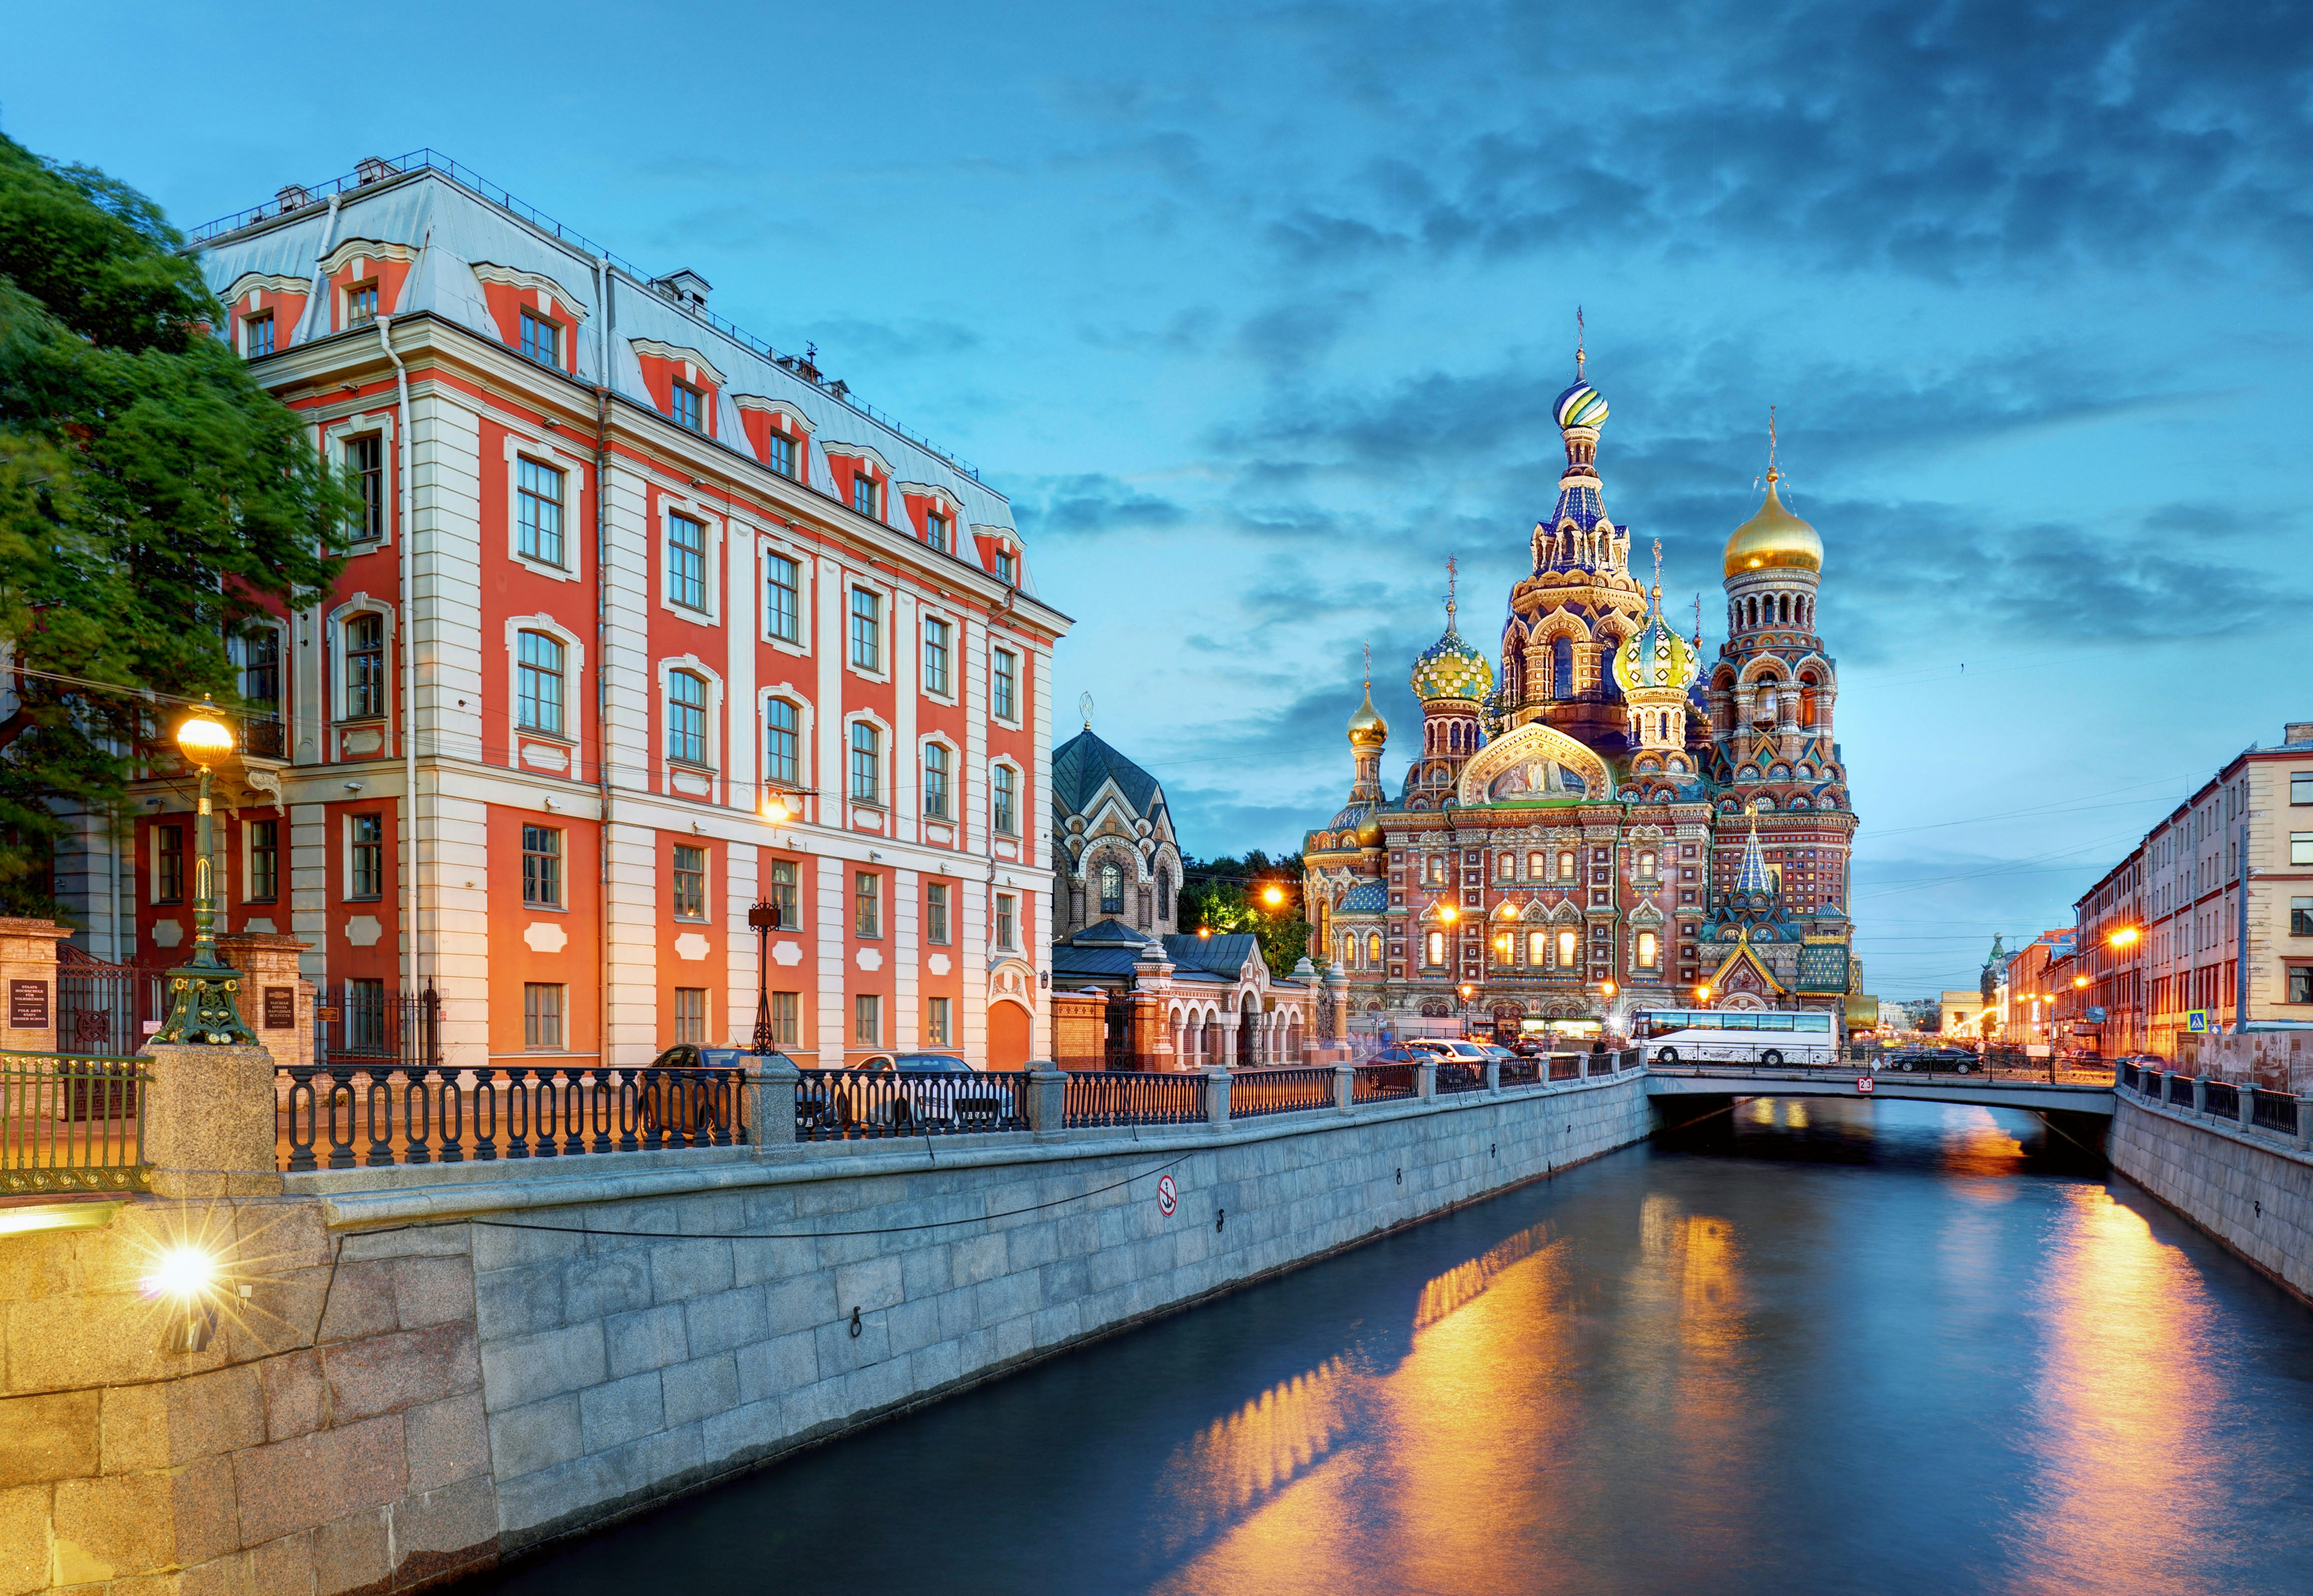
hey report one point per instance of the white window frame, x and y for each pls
(955, 647)
(1019, 684)
(670, 505)
(334, 638)
(887, 599)
(333, 440)
(955, 782)
(798, 432)
(573, 468)
(887, 789)
(573, 669)
(791, 694)
(799, 646)
(695, 666)
(1019, 795)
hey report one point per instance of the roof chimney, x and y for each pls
(686, 288)
(2298, 732)
(292, 197)
(374, 169)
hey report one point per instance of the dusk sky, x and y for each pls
(1257, 314)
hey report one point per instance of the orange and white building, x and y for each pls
(644, 624)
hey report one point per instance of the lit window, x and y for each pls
(1437, 947)
(783, 455)
(689, 406)
(168, 864)
(542, 339)
(939, 531)
(1566, 865)
(257, 335)
(786, 1018)
(867, 1020)
(365, 464)
(366, 855)
(866, 763)
(361, 304)
(686, 718)
(783, 598)
(365, 665)
(1537, 948)
(542, 1016)
(939, 1030)
(1004, 691)
(690, 882)
(782, 896)
(781, 743)
(867, 629)
(936, 913)
(867, 903)
(1008, 915)
(537, 495)
(538, 687)
(542, 866)
(1566, 950)
(264, 839)
(1537, 865)
(936, 655)
(1650, 950)
(1646, 866)
(866, 498)
(936, 759)
(690, 1013)
(1007, 804)
(686, 562)
(1506, 866)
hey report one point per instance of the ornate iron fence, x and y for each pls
(2273, 1110)
(2180, 1089)
(71, 1123)
(848, 1105)
(1257, 1091)
(340, 1117)
(2220, 1100)
(1121, 1097)
(1566, 1067)
(359, 1023)
(1381, 1082)
(102, 1009)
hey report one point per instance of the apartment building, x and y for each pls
(645, 624)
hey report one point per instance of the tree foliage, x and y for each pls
(153, 498)
(1226, 895)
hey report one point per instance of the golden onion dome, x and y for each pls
(1367, 728)
(1773, 538)
(1369, 830)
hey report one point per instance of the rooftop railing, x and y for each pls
(294, 198)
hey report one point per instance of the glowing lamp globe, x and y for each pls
(202, 737)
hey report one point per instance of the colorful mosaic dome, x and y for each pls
(1450, 668)
(1656, 658)
(1580, 406)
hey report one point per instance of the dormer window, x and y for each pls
(257, 335)
(939, 531)
(361, 303)
(865, 495)
(782, 455)
(688, 405)
(542, 339)
(1008, 568)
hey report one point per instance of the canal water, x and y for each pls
(1815, 1345)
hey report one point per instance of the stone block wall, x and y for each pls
(2252, 1192)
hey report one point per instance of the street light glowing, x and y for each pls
(1608, 987)
(2079, 980)
(1273, 896)
(1447, 914)
(2125, 937)
(1702, 994)
(183, 1273)
(775, 810)
(203, 738)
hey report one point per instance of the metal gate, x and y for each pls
(104, 1009)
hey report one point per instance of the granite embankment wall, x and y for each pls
(433, 1367)
(2251, 1190)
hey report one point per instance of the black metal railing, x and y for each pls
(854, 1105)
(2275, 1112)
(1381, 1082)
(1454, 1075)
(342, 1117)
(2219, 1099)
(1103, 1097)
(71, 1123)
(2126, 1075)
(1566, 1067)
(1257, 1091)
(2180, 1089)
(361, 1022)
(105, 1010)
(1522, 1072)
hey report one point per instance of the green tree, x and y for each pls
(1230, 895)
(153, 498)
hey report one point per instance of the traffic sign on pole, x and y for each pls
(1863, 1084)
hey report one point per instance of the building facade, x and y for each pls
(1594, 817)
(644, 624)
(2160, 946)
(1114, 854)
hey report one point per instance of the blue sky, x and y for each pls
(1257, 312)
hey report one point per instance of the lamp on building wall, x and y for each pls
(202, 1009)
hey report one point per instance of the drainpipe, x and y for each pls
(603, 289)
(409, 667)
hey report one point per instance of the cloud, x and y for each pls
(1092, 506)
(1970, 137)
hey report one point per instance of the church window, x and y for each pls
(1650, 950)
(1786, 608)
(1646, 866)
(1537, 948)
(1373, 951)
(1566, 950)
(1112, 889)
(1566, 865)
(1751, 612)
(1436, 870)
(1562, 667)
(1506, 866)
(1437, 951)
(1536, 865)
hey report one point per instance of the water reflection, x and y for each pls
(1810, 1346)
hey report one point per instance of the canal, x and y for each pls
(1813, 1347)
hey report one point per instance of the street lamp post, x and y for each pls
(764, 917)
(202, 1010)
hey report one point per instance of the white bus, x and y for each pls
(1722, 1036)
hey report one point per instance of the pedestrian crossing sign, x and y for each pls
(2196, 1020)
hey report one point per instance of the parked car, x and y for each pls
(1954, 1060)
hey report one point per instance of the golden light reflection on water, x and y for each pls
(2128, 1417)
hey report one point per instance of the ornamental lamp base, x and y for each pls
(204, 1008)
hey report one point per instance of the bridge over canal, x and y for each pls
(1997, 1089)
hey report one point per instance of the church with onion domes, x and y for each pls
(1593, 816)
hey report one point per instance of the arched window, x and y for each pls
(1808, 689)
(365, 635)
(1537, 948)
(1373, 950)
(1751, 612)
(1650, 949)
(538, 685)
(1537, 865)
(1504, 943)
(1646, 866)
(1163, 893)
(1562, 667)
(1566, 950)
(866, 763)
(1566, 864)
(1436, 870)
(1437, 947)
(1112, 889)
(936, 774)
(686, 718)
(782, 743)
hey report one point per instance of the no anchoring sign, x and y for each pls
(1168, 1196)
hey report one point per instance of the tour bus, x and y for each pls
(1721, 1036)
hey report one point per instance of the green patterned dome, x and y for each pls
(1450, 668)
(1656, 658)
